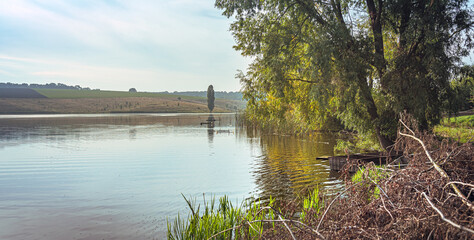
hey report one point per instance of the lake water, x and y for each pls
(119, 176)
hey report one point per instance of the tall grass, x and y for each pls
(312, 204)
(221, 220)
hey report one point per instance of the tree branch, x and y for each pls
(311, 11)
(438, 168)
(444, 218)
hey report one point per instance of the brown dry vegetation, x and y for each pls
(104, 105)
(411, 199)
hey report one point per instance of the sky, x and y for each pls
(150, 45)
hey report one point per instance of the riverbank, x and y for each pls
(431, 198)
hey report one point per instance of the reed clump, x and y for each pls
(223, 220)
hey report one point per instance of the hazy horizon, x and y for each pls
(159, 45)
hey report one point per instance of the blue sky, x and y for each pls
(151, 45)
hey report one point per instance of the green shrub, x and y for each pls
(370, 177)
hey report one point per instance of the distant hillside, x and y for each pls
(27, 100)
(218, 94)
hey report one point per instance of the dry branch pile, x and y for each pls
(416, 202)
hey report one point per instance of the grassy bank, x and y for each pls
(457, 128)
(103, 105)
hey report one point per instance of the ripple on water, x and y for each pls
(121, 176)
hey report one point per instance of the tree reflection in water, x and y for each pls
(287, 165)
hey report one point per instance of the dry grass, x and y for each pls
(104, 105)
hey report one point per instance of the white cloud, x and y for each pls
(174, 45)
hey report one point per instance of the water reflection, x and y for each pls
(288, 165)
(120, 176)
(210, 121)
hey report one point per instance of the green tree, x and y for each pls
(461, 94)
(210, 98)
(132, 90)
(361, 61)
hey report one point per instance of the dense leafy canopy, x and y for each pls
(360, 61)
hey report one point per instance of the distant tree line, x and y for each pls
(46, 85)
(217, 94)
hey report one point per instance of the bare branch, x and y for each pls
(460, 183)
(438, 168)
(444, 218)
(287, 227)
(330, 204)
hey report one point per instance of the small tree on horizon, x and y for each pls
(210, 98)
(132, 90)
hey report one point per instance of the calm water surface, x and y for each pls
(120, 176)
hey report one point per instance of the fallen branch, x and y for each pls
(444, 218)
(280, 220)
(460, 183)
(287, 227)
(330, 204)
(438, 168)
(280, 215)
(290, 221)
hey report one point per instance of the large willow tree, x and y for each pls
(362, 61)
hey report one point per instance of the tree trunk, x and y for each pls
(384, 141)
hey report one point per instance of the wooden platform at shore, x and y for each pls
(337, 162)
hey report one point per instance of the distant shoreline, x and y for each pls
(70, 101)
(112, 105)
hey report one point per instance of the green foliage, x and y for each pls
(460, 95)
(370, 178)
(461, 121)
(356, 143)
(315, 60)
